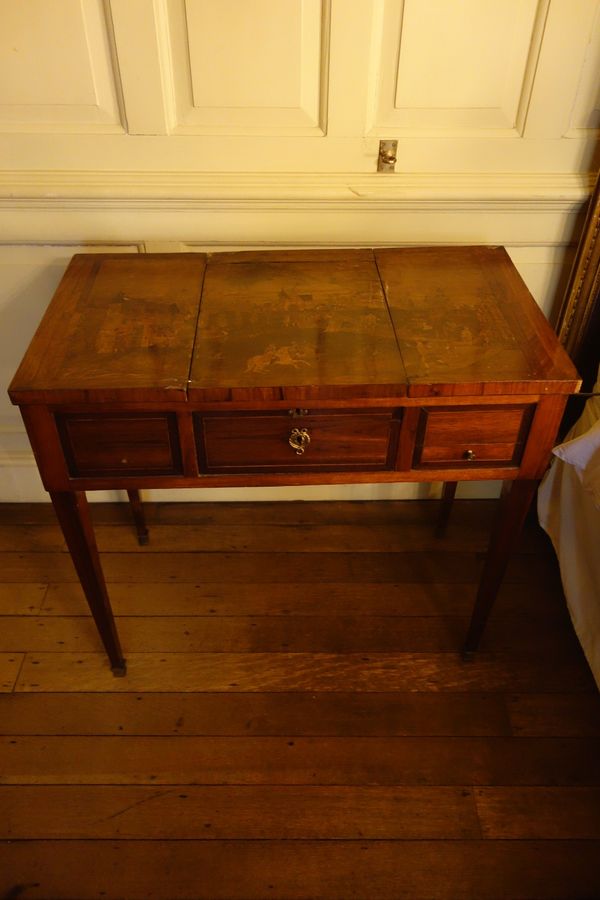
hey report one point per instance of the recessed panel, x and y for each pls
(120, 444)
(294, 440)
(34, 69)
(456, 66)
(248, 65)
(464, 436)
(586, 110)
(55, 67)
(245, 52)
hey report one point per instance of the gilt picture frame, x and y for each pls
(582, 297)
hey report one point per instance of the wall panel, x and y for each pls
(249, 66)
(467, 86)
(586, 109)
(455, 67)
(56, 67)
(200, 124)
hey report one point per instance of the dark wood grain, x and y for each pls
(299, 760)
(532, 813)
(470, 515)
(10, 664)
(342, 714)
(112, 444)
(72, 512)
(288, 672)
(465, 323)
(358, 538)
(356, 774)
(343, 440)
(216, 812)
(293, 633)
(122, 325)
(472, 436)
(283, 327)
(294, 870)
(511, 516)
(542, 714)
(286, 599)
(139, 518)
(445, 566)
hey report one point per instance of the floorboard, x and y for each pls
(255, 870)
(296, 721)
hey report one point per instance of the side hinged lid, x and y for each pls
(467, 325)
(119, 327)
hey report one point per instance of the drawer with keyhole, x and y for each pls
(295, 440)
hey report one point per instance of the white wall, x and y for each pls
(142, 125)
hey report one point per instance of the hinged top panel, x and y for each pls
(295, 325)
(467, 325)
(120, 327)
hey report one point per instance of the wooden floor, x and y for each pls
(296, 721)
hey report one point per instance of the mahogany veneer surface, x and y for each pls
(466, 323)
(120, 325)
(292, 324)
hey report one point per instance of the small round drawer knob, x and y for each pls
(299, 440)
(469, 455)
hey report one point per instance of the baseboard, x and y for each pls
(20, 483)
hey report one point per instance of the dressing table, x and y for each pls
(291, 367)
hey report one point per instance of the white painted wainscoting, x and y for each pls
(178, 125)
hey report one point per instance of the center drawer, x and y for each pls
(295, 440)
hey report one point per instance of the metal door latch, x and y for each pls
(388, 156)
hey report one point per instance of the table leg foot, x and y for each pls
(120, 670)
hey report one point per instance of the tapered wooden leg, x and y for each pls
(139, 518)
(507, 528)
(448, 493)
(73, 514)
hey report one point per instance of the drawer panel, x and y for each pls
(256, 442)
(127, 444)
(468, 436)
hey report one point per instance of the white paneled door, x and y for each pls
(182, 125)
(300, 85)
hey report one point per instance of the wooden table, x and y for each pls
(290, 367)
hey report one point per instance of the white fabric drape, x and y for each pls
(569, 511)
